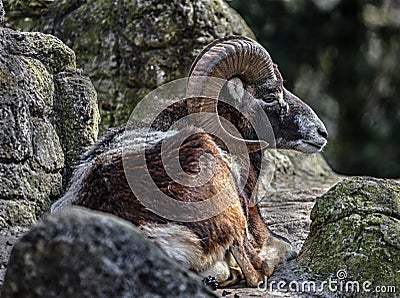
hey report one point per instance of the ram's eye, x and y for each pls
(270, 99)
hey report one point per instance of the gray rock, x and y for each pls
(128, 48)
(48, 116)
(296, 183)
(81, 253)
(77, 115)
(2, 14)
(8, 237)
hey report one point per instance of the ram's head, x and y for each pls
(254, 80)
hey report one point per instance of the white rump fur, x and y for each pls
(181, 244)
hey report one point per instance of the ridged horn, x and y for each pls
(226, 58)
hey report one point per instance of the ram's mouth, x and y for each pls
(310, 146)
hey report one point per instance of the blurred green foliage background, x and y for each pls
(343, 58)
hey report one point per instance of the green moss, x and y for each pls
(129, 48)
(356, 226)
(41, 141)
(361, 195)
(20, 213)
(48, 49)
(41, 82)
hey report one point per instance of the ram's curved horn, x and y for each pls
(224, 59)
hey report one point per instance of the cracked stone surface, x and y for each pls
(48, 116)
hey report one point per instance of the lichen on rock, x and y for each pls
(128, 48)
(356, 227)
(77, 115)
(36, 137)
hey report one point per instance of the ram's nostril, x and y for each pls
(322, 131)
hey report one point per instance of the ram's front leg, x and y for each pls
(271, 248)
(227, 272)
(253, 268)
(275, 250)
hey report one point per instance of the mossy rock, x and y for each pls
(356, 227)
(48, 116)
(129, 48)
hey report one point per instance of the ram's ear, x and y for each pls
(235, 89)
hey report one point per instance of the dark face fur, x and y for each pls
(295, 124)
